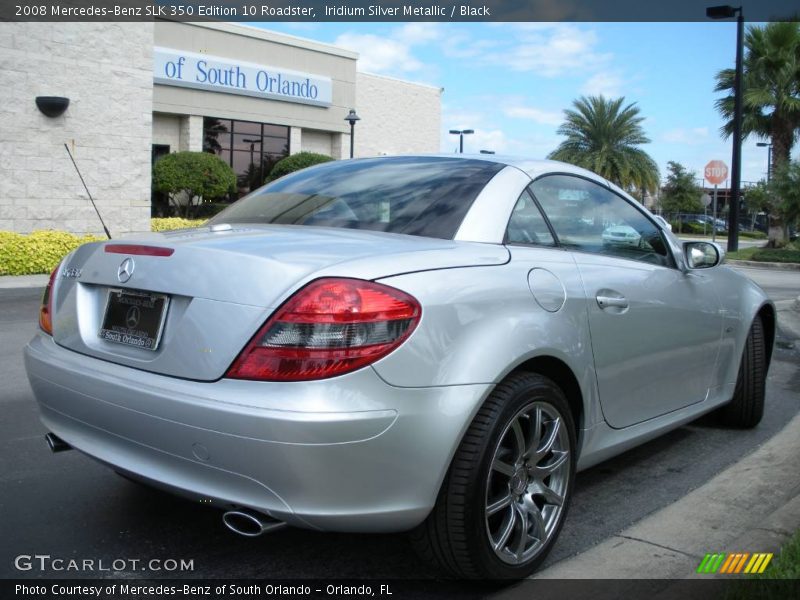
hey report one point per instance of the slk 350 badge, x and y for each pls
(71, 273)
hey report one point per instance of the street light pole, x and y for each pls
(726, 12)
(252, 143)
(351, 118)
(461, 133)
(768, 146)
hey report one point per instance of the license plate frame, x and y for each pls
(127, 309)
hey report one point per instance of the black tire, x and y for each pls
(456, 535)
(746, 408)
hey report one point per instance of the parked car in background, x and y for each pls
(621, 235)
(663, 222)
(433, 344)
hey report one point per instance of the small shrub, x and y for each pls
(695, 228)
(784, 255)
(37, 252)
(753, 235)
(172, 223)
(295, 162)
(209, 209)
(201, 176)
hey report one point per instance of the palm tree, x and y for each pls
(770, 87)
(603, 136)
(770, 96)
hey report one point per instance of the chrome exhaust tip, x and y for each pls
(250, 523)
(55, 443)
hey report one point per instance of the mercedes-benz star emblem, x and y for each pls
(125, 270)
(132, 318)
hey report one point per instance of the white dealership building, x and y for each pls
(139, 90)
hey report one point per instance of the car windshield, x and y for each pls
(424, 196)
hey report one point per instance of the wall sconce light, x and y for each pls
(52, 106)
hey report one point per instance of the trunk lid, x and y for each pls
(222, 285)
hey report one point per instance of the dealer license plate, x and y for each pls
(134, 318)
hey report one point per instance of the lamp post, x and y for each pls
(461, 133)
(768, 146)
(727, 12)
(351, 118)
(252, 145)
(252, 164)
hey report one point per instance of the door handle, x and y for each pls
(610, 301)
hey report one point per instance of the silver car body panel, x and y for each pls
(345, 453)
(223, 286)
(341, 454)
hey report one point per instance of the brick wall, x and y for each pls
(167, 130)
(105, 69)
(317, 141)
(397, 117)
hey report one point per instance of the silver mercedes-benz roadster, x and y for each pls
(433, 344)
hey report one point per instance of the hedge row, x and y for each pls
(789, 254)
(40, 251)
(170, 223)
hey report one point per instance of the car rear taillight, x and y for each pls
(46, 309)
(330, 327)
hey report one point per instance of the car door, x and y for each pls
(655, 330)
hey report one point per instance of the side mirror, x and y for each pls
(702, 255)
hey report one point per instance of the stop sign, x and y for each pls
(716, 172)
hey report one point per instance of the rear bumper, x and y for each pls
(346, 454)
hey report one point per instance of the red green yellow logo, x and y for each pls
(735, 562)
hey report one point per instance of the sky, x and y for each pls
(511, 82)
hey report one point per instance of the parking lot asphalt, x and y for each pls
(68, 506)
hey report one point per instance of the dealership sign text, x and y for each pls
(203, 71)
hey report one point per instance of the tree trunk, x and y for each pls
(188, 210)
(782, 139)
(776, 235)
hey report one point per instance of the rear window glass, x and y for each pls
(423, 196)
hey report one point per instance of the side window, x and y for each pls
(527, 225)
(588, 217)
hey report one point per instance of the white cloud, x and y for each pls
(457, 118)
(418, 33)
(690, 137)
(537, 115)
(380, 54)
(458, 44)
(391, 54)
(604, 83)
(550, 50)
(303, 26)
(492, 139)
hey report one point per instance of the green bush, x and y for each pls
(171, 223)
(37, 252)
(200, 175)
(209, 209)
(295, 162)
(695, 228)
(753, 235)
(782, 255)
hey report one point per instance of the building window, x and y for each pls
(252, 149)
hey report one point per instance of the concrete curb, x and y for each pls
(755, 501)
(789, 318)
(763, 265)
(10, 282)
